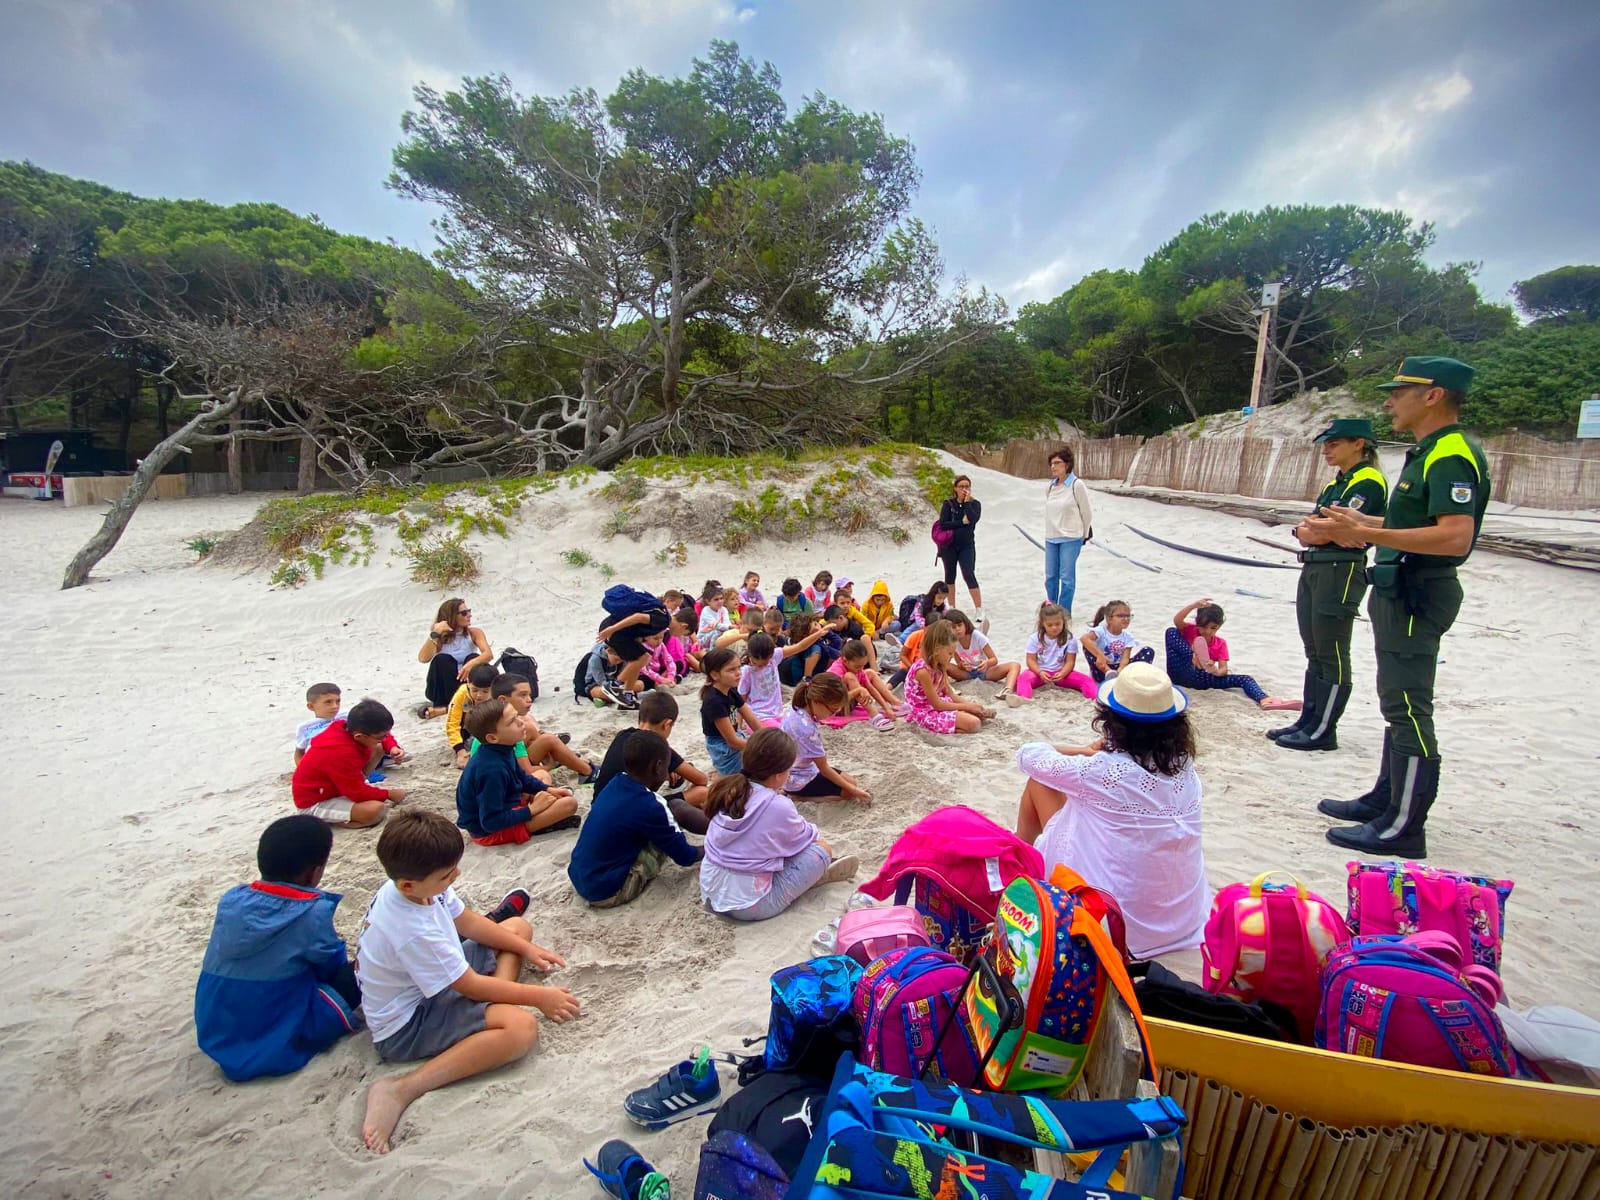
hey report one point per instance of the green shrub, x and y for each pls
(201, 546)
(442, 561)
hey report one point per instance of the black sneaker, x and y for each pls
(625, 1174)
(594, 774)
(514, 905)
(571, 822)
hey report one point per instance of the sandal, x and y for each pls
(882, 723)
(623, 1173)
(424, 709)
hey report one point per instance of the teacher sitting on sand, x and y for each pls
(1067, 522)
(452, 648)
(1124, 812)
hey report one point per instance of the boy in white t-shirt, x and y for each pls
(323, 701)
(439, 981)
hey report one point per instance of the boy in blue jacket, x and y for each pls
(497, 802)
(630, 834)
(276, 988)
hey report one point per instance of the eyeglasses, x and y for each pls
(463, 612)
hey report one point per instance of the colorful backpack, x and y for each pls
(733, 1167)
(879, 1136)
(810, 1022)
(952, 865)
(1048, 963)
(1396, 897)
(1268, 941)
(903, 1002)
(1413, 999)
(869, 933)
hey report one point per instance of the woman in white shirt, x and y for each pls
(1125, 812)
(1068, 519)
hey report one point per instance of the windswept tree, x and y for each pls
(1567, 293)
(685, 262)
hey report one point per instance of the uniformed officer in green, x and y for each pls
(1435, 512)
(1333, 580)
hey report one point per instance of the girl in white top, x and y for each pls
(1109, 646)
(976, 659)
(1125, 812)
(1052, 654)
(714, 617)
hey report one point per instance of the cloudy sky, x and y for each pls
(1055, 137)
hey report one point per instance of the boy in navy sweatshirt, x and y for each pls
(629, 834)
(276, 987)
(497, 802)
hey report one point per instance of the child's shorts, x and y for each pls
(514, 836)
(335, 811)
(724, 757)
(443, 1019)
(645, 868)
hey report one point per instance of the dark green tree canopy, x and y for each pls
(1566, 292)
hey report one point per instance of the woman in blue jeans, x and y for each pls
(1068, 521)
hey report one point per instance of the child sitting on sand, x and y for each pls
(686, 787)
(759, 679)
(722, 709)
(680, 642)
(1124, 812)
(629, 834)
(879, 609)
(792, 601)
(761, 855)
(866, 687)
(820, 594)
(750, 594)
(772, 626)
(811, 631)
(600, 678)
(497, 802)
(976, 659)
(856, 623)
(1198, 659)
(1052, 654)
(474, 691)
(322, 699)
(330, 782)
(813, 777)
(535, 751)
(714, 618)
(661, 669)
(1108, 644)
(934, 706)
(930, 606)
(276, 988)
(439, 981)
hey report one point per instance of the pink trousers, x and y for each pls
(1029, 680)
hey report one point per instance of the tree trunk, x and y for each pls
(235, 458)
(111, 529)
(307, 464)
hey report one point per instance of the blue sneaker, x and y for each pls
(624, 1173)
(687, 1090)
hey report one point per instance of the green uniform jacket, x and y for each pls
(1364, 489)
(1446, 473)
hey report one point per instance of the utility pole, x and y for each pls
(1269, 319)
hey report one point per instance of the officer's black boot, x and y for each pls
(1367, 806)
(1399, 831)
(1320, 734)
(1308, 699)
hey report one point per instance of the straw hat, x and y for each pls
(1142, 692)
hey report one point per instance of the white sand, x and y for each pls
(151, 715)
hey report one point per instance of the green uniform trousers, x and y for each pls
(1406, 630)
(1326, 603)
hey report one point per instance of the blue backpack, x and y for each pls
(621, 601)
(810, 1024)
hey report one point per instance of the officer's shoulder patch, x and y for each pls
(1461, 493)
(1358, 502)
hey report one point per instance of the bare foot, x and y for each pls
(385, 1106)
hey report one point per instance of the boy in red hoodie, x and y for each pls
(331, 780)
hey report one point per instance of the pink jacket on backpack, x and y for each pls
(953, 845)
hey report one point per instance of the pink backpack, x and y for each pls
(1394, 897)
(902, 1002)
(1413, 999)
(869, 933)
(953, 866)
(1268, 941)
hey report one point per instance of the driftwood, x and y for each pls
(1211, 554)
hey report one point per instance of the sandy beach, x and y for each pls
(151, 717)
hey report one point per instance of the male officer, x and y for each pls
(1430, 528)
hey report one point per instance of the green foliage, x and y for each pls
(289, 573)
(1566, 292)
(577, 558)
(442, 561)
(202, 546)
(623, 520)
(1533, 379)
(899, 535)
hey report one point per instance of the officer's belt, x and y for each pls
(1327, 556)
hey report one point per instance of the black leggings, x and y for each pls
(1145, 654)
(967, 559)
(442, 682)
(345, 983)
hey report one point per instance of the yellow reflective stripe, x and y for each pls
(1411, 379)
(1371, 473)
(1340, 660)
(1349, 578)
(1451, 445)
(1421, 741)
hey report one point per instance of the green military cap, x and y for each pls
(1429, 370)
(1347, 427)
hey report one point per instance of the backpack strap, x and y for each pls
(1257, 885)
(1439, 945)
(1103, 905)
(1285, 917)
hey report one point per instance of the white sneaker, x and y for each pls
(981, 620)
(841, 869)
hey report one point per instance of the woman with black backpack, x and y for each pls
(958, 518)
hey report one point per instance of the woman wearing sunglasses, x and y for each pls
(452, 648)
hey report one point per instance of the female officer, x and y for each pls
(1332, 583)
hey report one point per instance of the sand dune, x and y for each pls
(151, 716)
